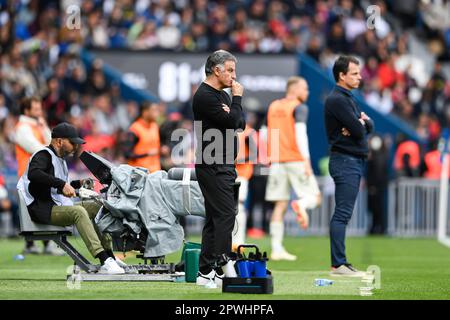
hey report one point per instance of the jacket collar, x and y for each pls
(53, 150)
(344, 91)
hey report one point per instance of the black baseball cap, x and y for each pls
(66, 130)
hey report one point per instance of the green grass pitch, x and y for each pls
(410, 269)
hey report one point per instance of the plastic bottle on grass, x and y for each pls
(19, 257)
(323, 282)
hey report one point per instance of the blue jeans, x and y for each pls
(346, 171)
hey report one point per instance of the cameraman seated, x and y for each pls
(47, 195)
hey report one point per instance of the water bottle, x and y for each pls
(261, 265)
(251, 264)
(323, 282)
(243, 268)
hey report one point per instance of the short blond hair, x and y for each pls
(293, 80)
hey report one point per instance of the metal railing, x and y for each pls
(413, 207)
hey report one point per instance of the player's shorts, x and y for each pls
(287, 175)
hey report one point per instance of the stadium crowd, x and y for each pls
(40, 56)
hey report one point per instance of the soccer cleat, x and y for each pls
(346, 270)
(302, 215)
(282, 255)
(111, 267)
(203, 279)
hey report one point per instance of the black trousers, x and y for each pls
(217, 186)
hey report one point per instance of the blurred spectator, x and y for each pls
(435, 14)
(433, 162)
(102, 115)
(406, 10)
(365, 44)
(96, 83)
(31, 132)
(36, 69)
(4, 110)
(355, 25)
(7, 148)
(54, 103)
(407, 158)
(98, 31)
(146, 37)
(142, 145)
(31, 135)
(168, 36)
(336, 40)
(387, 73)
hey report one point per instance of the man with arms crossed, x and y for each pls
(347, 129)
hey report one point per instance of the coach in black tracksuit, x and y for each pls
(217, 117)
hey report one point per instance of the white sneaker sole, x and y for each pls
(203, 281)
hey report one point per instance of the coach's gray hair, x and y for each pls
(218, 58)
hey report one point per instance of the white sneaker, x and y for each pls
(282, 255)
(111, 267)
(347, 270)
(218, 279)
(203, 279)
(121, 263)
